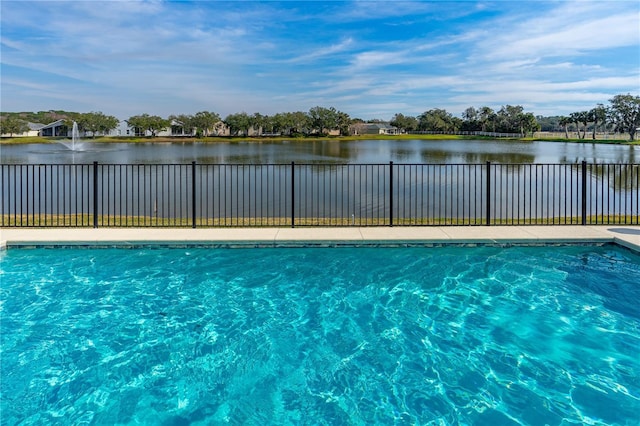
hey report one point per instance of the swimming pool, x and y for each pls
(448, 335)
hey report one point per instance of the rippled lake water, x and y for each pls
(327, 151)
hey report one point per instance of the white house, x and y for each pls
(374, 129)
(57, 128)
(34, 130)
(175, 129)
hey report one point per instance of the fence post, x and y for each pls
(293, 194)
(390, 193)
(488, 191)
(193, 194)
(584, 192)
(95, 194)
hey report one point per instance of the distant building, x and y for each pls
(34, 130)
(374, 129)
(57, 128)
(176, 129)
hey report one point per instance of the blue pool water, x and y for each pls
(176, 336)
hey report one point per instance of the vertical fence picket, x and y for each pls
(193, 194)
(44, 195)
(94, 194)
(391, 193)
(293, 194)
(488, 195)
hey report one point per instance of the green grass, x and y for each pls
(585, 141)
(216, 139)
(25, 140)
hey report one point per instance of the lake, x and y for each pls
(332, 182)
(325, 151)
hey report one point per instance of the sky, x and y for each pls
(370, 59)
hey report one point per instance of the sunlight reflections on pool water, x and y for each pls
(450, 335)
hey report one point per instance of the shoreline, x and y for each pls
(227, 139)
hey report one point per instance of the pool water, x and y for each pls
(447, 335)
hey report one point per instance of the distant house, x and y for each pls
(57, 128)
(60, 129)
(219, 129)
(374, 129)
(34, 130)
(138, 132)
(177, 129)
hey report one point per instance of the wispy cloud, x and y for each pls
(322, 52)
(569, 39)
(369, 57)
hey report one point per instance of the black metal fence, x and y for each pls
(223, 195)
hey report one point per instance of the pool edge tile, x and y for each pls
(318, 234)
(626, 236)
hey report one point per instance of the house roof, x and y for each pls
(56, 123)
(379, 126)
(35, 126)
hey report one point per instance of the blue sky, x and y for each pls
(370, 59)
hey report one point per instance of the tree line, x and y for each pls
(317, 120)
(320, 121)
(92, 122)
(508, 119)
(621, 115)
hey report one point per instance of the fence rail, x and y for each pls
(232, 195)
(573, 134)
(496, 135)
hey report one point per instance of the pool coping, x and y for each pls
(626, 236)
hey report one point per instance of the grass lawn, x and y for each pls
(215, 139)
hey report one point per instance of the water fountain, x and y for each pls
(75, 136)
(76, 143)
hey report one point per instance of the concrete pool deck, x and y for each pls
(627, 236)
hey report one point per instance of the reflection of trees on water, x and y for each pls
(619, 177)
(619, 156)
(211, 160)
(508, 158)
(614, 190)
(435, 156)
(364, 193)
(401, 155)
(333, 149)
(445, 157)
